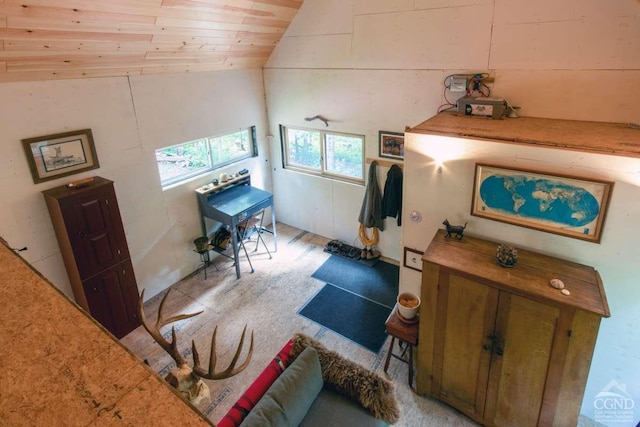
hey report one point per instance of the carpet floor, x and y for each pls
(352, 316)
(378, 283)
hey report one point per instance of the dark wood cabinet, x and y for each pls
(94, 248)
(500, 344)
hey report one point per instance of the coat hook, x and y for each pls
(326, 122)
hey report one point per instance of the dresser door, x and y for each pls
(95, 232)
(112, 296)
(462, 353)
(521, 357)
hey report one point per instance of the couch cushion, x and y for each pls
(291, 395)
(375, 393)
(333, 409)
(258, 388)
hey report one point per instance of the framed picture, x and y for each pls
(561, 204)
(391, 145)
(55, 156)
(413, 259)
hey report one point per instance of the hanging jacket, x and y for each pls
(392, 199)
(371, 211)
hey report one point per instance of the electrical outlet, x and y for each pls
(458, 84)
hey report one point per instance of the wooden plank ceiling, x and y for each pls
(67, 39)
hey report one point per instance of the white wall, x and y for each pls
(371, 65)
(379, 65)
(129, 118)
(354, 102)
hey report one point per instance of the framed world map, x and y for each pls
(567, 205)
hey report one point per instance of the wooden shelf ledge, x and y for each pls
(384, 163)
(616, 139)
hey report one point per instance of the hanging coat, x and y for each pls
(392, 198)
(371, 211)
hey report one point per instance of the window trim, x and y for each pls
(212, 166)
(322, 171)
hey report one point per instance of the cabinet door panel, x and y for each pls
(112, 297)
(97, 246)
(525, 331)
(466, 326)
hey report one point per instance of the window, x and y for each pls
(338, 155)
(189, 159)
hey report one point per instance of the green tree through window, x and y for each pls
(332, 154)
(189, 159)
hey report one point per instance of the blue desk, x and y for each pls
(233, 205)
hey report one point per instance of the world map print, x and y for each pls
(540, 199)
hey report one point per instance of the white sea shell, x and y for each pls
(565, 292)
(557, 283)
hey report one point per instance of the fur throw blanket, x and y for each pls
(372, 391)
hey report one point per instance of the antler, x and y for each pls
(169, 347)
(172, 347)
(232, 369)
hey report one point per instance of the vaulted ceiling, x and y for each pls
(66, 39)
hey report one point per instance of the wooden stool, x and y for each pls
(406, 332)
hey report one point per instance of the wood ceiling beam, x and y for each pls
(205, 55)
(182, 9)
(70, 15)
(8, 77)
(23, 34)
(122, 61)
(293, 4)
(195, 7)
(16, 48)
(52, 35)
(242, 38)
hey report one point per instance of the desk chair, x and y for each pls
(251, 226)
(221, 242)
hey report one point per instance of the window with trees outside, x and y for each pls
(183, 161)
(331, 154)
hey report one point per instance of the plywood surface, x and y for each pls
(618, 139)
(59, 367)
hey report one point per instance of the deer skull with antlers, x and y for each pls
(185, 379)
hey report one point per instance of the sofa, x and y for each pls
(308, 385)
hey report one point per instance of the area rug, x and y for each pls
(358, 319)
(378, 283)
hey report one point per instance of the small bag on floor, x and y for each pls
(222, 238)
